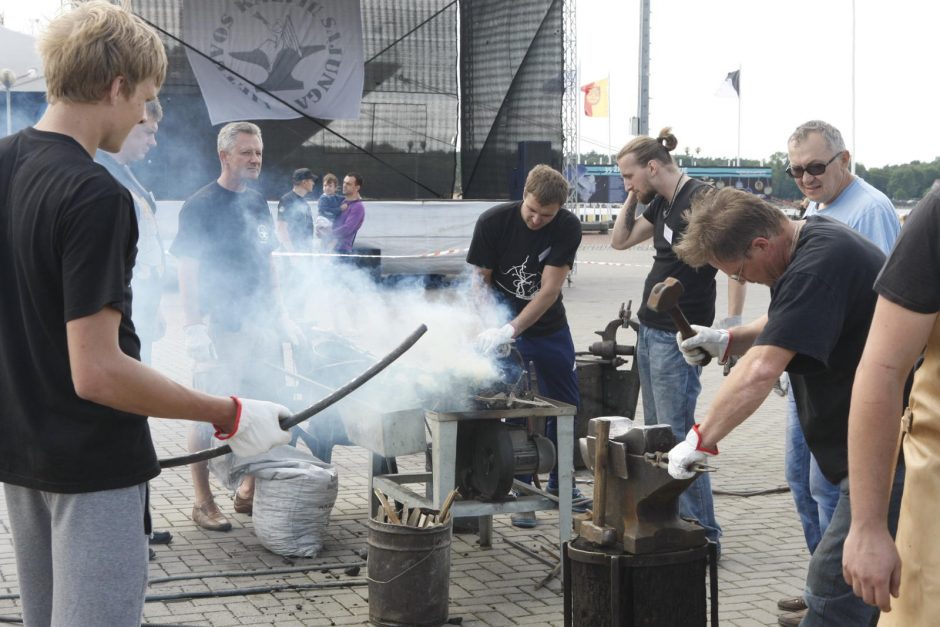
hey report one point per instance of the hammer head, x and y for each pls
(665, 295)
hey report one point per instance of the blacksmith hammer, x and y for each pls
(594, 530)
(664, 298)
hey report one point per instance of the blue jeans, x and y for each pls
(831, 601)
(814, 495)
(670, 389)
(553, 357)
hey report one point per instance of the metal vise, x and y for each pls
(642, 499)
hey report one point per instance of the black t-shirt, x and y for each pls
(231, 235)
(67, 245)
(503, 243)
(669, 223)
(295, 212)
(911, 277)
(821, 307)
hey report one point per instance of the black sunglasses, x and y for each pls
(815, 169)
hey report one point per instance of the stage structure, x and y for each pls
(508, 108)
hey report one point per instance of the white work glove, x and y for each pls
(713, 341)
(257, 429)
(728, 322)
(490, 340)
(198, 344)
(686, 453)
(782, 386)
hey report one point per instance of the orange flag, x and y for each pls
(596, 98)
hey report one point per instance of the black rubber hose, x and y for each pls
(287, 423)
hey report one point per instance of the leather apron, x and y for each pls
(919, 524)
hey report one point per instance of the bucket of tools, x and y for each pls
(409, 568)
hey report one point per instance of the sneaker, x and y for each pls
(244, 504)
(209, 517)
(153, 554)
(160, 537)
(793, 604)
(793, 619)
(524, 520)
(579, 502)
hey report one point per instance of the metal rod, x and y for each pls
(317, 407)
(528, 551)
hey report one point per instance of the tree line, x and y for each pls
(901, 183)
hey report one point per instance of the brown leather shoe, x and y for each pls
(793, 619)
(793, 604)
(243, 505)
(209, 517)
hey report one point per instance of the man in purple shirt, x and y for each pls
(352, 214)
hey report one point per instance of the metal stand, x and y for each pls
(441, 480)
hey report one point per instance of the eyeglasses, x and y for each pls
(815, 169)
(739, 275)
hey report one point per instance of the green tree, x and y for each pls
(783, 185)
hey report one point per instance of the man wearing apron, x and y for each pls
(905, 321)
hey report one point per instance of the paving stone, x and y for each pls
(764, 553)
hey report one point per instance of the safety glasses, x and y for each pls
(815, 169)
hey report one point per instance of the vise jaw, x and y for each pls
(642, 499)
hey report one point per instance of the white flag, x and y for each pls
(307, 53)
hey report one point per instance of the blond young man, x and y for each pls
(76, 454)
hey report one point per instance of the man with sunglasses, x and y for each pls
(804, 263)
(819, 164)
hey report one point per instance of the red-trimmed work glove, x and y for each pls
(257, 429)
(689, 451)
(715, 342)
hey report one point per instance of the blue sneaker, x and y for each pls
(579, 502)
(524, 520)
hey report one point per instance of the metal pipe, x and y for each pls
(316, 408)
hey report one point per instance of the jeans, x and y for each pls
(670, 389)
(814, 495)
(553, 357)
(831, 601)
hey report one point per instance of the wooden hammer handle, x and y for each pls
(601, 436)
(685, 329)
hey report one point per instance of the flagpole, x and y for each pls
(610, 114)
(739, 116)
(854, 157)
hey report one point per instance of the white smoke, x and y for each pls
(334, 296)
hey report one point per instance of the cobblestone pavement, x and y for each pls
(764, 555)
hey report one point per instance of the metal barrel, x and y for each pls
(408, 574)
(605, 587)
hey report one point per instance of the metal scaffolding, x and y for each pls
(569, 104)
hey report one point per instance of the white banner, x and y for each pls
(307, 53)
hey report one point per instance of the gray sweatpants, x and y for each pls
(81, 558)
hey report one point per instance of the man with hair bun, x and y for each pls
(76, 454)
(669, 385)
(522, 253)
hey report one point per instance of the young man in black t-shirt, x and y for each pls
(76, 453)
(523, 251)
(804, 263)
(670, 387)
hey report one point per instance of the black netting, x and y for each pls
(402, 143)
(511, 61)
